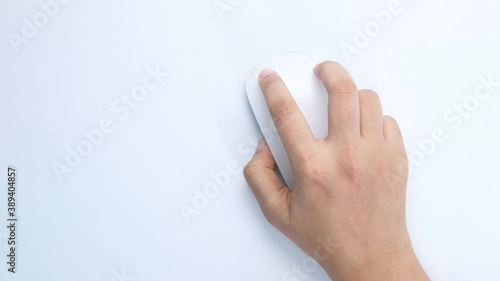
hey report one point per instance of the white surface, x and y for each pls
(119, 209)
(296, 70)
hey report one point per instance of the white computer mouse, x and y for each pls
(296, 70)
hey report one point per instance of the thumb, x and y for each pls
(272, 195)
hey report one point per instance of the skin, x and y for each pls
(347, 208)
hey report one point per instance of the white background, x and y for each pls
(118, 211)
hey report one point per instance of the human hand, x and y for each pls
(347, 208)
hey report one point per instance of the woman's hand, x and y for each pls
(347, 208)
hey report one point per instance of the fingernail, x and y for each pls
(261, 146)
(265, 73)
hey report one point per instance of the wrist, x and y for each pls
(400, 265)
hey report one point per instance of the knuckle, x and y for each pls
(250, 170)
(315, 174)
(369, 96)
(344, 87)
(350, 172)
(349, 166)
(308, 157)
(307, 152)
(370, 101)
(282, 111)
